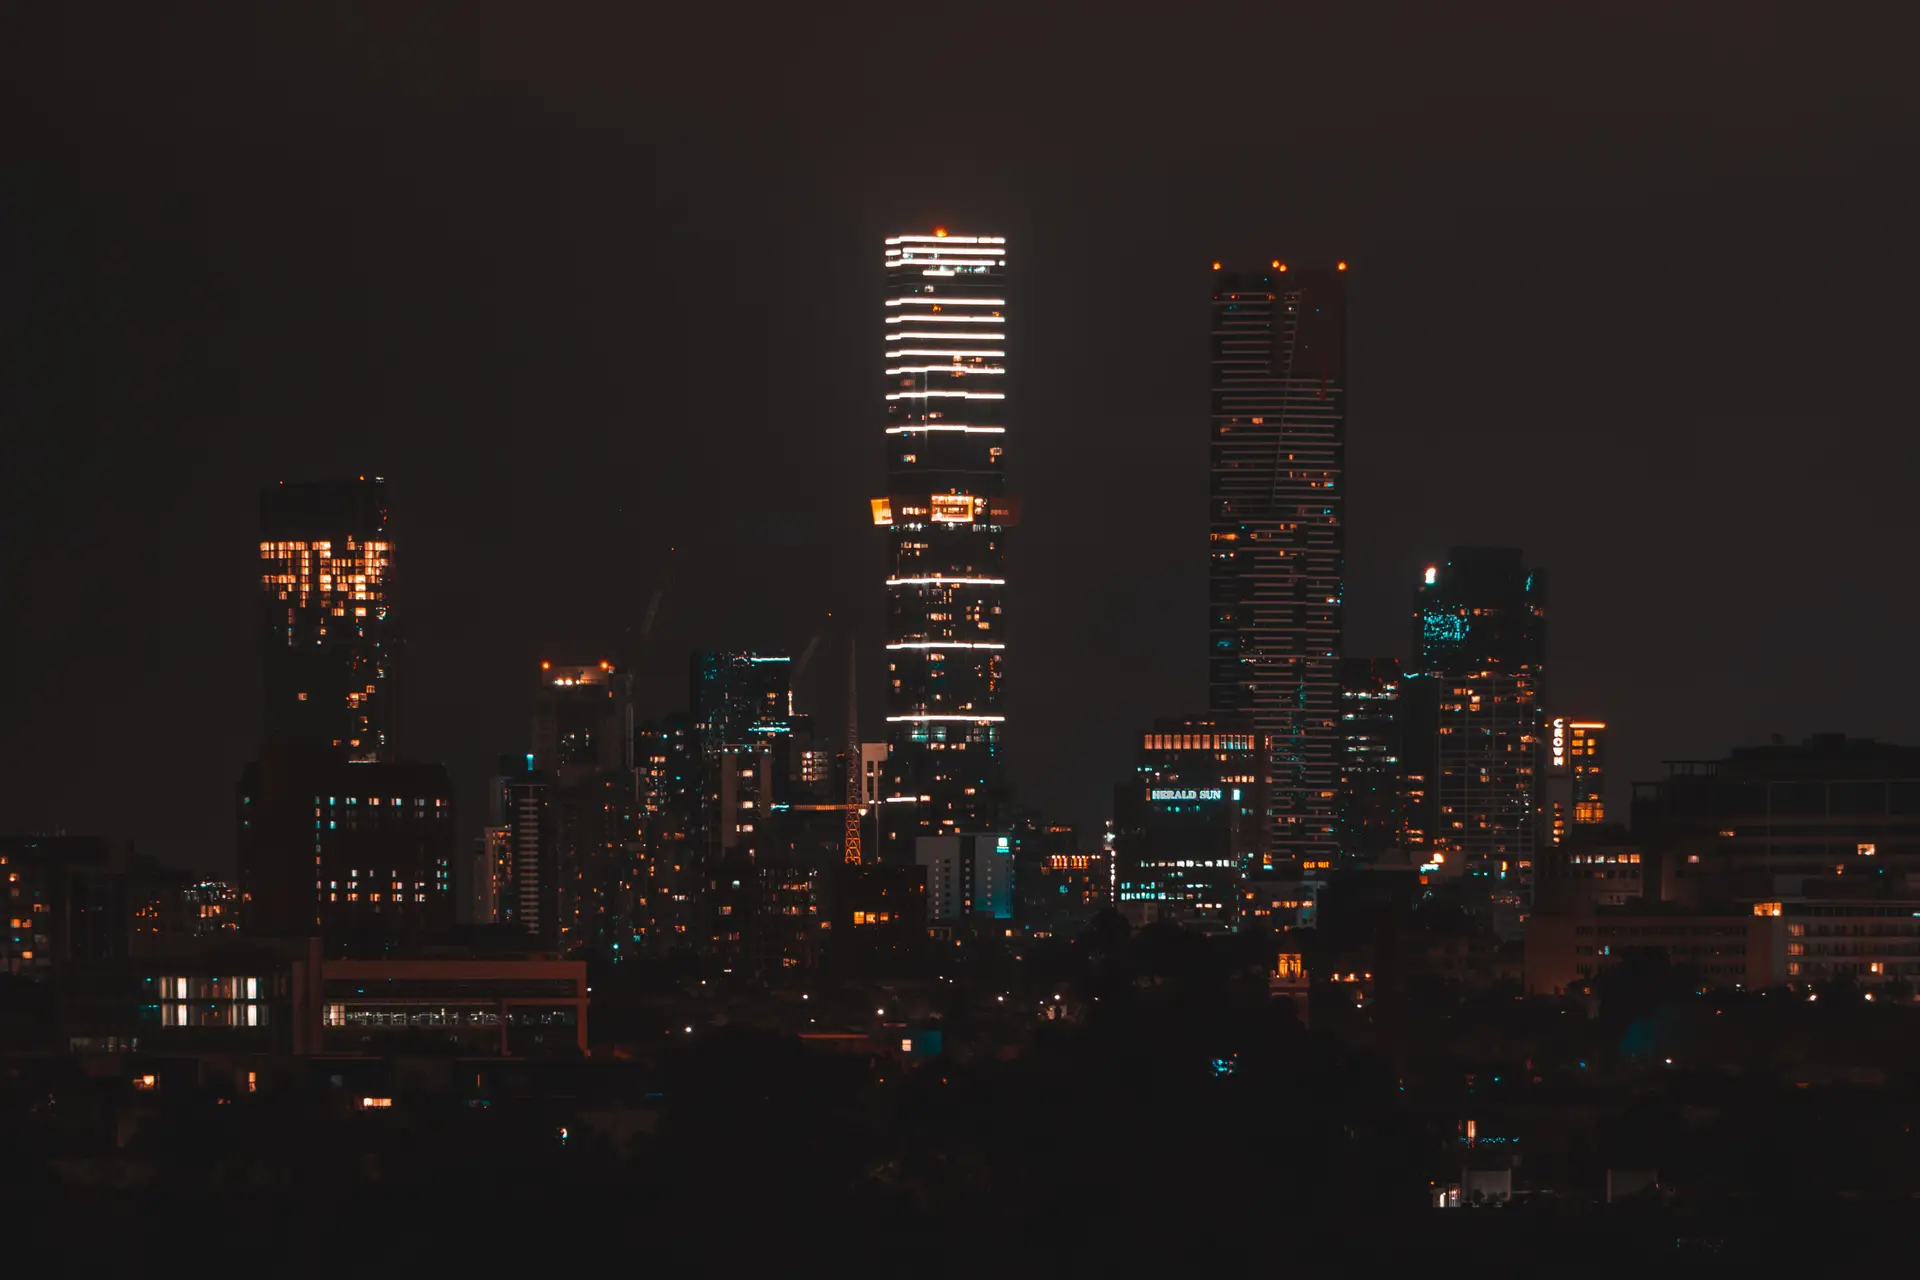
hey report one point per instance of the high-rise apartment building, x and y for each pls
(1574, 769)
(326, 565)
(946, 513)
(1372, 789)
(1480, 650)
(1277, 534)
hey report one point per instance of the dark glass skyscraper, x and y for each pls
(326, 562)
(1372, 778)
(946, 513)
(1480, 652)
(1277, 533)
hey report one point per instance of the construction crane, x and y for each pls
(852, 849)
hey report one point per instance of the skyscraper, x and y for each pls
(1277, 533)
(1372, 779)
(583, 743)
(326, 563)
(946, 512)
(1480, 648)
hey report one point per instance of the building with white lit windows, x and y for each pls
(1277, 534)
(946, 514)
(1188, 824)
(359, 854)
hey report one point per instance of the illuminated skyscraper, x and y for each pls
(326, 560)
(1277, 533)
(947, 513)
(1480, 648)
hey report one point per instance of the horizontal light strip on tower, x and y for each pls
(946, 300)
(943, 581)
(948, 395)
(990, 431)
(972, 718)
(944, 644)
(984, 370)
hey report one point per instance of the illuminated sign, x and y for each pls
(882, 510)
(1204, 793)
(1559, 742)
(953, 508)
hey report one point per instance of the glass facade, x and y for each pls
(946, 513)
(1277, 534)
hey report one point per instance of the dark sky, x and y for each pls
(1633, 290)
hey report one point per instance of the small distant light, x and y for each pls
(1432, 574)
(1216, 266)
(879, 1013)
(1341, 266)
(941, 232)
(546, 666)
(689, 1030)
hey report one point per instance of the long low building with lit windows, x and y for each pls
(276, 1000)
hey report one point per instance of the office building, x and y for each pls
(360, 854)
(583, 740)
(1473, 714)
(1277, 534)
(969, 876)
(1768, 821)
(1372, 788)
(1573, 768)
(330, 647)
(1188, 824)
(946, 513)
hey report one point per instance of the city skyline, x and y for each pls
(461, 316)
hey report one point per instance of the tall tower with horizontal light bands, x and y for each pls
(1277, 534)
(946, 513)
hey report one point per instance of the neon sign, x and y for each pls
(1559, 742)
(1204, 793)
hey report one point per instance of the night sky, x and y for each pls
(602, 300)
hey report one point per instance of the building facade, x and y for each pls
(1766, 820)
(360, 854)
(969, 876)
(1277, 534)
(1573, 767)
(1373, 783)
(330, 645)
(1480, 648)
(946, 512)
(583, 740)
(1188, 825)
